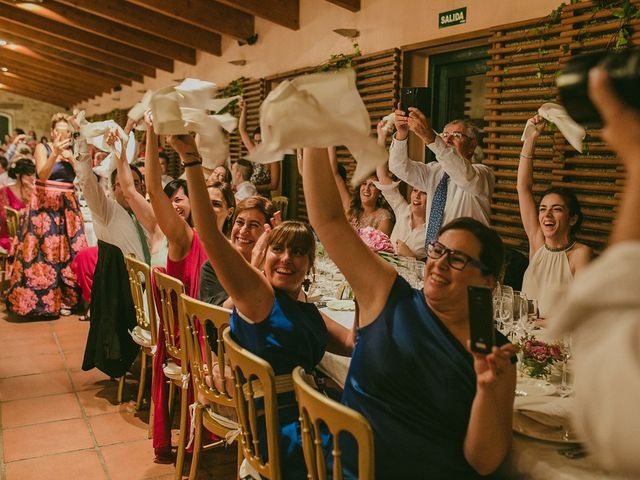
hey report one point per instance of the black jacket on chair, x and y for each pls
(109, 347)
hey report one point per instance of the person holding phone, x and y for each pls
(455, 186)
(42, 282)
(436, 409)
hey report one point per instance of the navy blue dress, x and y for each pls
(293, 334)
(415, 383)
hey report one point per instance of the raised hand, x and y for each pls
(60, 144)
(185, 145)
(419, 124)
(402, 124)
(492, 368)
(259, 251)
(540, 124)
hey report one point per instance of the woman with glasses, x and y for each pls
(554, 254)
(436, 409)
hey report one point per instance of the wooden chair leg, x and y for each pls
(172, 389)
(143, 376)
(184, 408)
(150, 434)
(197, 446)
(240, 458)
(120, 388)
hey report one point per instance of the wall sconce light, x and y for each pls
(4, 69)
(347, 32)
(238, 62)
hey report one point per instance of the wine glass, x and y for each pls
(565, 350)
(505, 312)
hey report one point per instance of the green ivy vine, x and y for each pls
(340, 61)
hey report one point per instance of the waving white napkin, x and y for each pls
(555, 113)
(137, 112)
(318, 110)
(389, 121)
(185, 108)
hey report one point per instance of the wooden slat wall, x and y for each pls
(525, 58)
(254, 93)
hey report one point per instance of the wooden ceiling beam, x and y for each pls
(94, 67)
(57, 66)
(65, 98)
(87, 91)
(281, 12)
(351, 5)
(57, 47)
(39, 19)
(35, 96)
(34, 84)
(206, 14)
(161, 25)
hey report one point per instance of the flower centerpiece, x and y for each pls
(538, 357)
(376, 240)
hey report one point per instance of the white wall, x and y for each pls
(383, 24)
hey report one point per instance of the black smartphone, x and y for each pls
(481, 324)
(418, 97)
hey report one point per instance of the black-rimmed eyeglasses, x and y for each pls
(456, 259)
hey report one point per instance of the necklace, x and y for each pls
(563, 248)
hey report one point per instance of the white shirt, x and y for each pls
(470, 185)
(602, 313)
(245, 190)
(111, 222)
(413, 237)
(4, 179)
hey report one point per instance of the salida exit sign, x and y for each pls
(452, 17)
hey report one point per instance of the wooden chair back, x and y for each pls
(207, 321)
(282, 204)
(318, 410)
(141, 291)
(254, 381)
(13, 221)
(172, 316)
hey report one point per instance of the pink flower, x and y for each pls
(41, 223)
(55, 248)
(40, 276)
(52, 300)
(23, 300)
(375, 239)
(29, 247)
(74, 223)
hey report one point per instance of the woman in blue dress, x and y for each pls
(271, 317)
(436, 409)
(42, 281)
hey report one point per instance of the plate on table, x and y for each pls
(530, 428)
(531, 387)
(341, 305)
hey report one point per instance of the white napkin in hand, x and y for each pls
(555, 113)
(549, 411)
(137, 111)
(389, 122)
(318, 110)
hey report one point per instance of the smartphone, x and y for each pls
(481, 323)
(418, 97)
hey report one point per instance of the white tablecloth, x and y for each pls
(529, 458)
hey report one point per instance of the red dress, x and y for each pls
(7, 199)
(187, 271)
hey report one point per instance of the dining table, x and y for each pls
(537, 452)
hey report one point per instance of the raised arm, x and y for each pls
(91, 190)
(414, 173)
(528, 209)
(242, 127)
(382, 171)
(138, 204)
(246, 285)
(370, 277)
(178, 232)
(343, 190)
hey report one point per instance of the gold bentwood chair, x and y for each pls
(145, 333)
(13, 221)
(282, 204)
(170, 290)
(255, 380)
(317, 409)
(215, 406)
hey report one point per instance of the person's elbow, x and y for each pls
(486, 463)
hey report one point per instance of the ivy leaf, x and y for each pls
(618, 14)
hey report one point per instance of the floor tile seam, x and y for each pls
(51, 454)
(29, 374)
(34, 397)
(3, 473)
(84, 417)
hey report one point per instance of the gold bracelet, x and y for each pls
(192, 164)
(528, 157)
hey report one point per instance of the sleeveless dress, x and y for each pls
(261, 176)
(547, 279)
(42, 281)
(415, 383)
(7, 199)
(293, 334)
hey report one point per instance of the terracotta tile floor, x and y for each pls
(58, 422)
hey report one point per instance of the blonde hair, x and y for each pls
(60, 117)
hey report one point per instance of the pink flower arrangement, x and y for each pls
(537, 357)
(375, 239)
(23, 300)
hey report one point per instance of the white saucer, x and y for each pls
(341, 305)
(531, 387)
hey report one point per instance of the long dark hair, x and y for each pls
(172, 187)
(355, 207)
(230, 200)
(22, 166)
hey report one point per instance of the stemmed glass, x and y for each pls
(565, 350)
(505, 311)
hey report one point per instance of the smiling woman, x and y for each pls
(554, 254)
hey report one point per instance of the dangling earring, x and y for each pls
(307, 282)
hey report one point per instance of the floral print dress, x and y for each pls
(51, 234)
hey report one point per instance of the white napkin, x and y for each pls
(389, 122)
(108, 164)
(318, 110)
(185, 108)
(549, 411)
(555, 113)
(137, 111)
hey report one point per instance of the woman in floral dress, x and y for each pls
(42, 281)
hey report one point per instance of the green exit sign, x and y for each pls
(452, 17)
